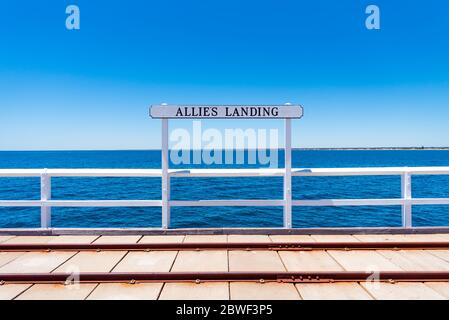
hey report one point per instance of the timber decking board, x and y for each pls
(33, 262)
(402, 237)
(153, 261)
(6, 257)
(426, 237)
(10, 291)
(332, 291)
(161, 239)
(50, 239)
(218, 238)
(263, 291)
(4, 238)
(415, 260)
(193, 291)
(334, 238)
(381, 237)
(439, 237)
(57, 292)
(440, 287)
(91, 261)
(309, 261)
(125, 291)
(30, 239)
(209, 260)
(74, 239)
(255, 261)
(401, 291)
(292, 238)
(362, 260)
(442, 254)
(248, 238)
(118, 239)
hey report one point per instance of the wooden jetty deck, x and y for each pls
(422, 258)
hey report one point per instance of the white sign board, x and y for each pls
(226, 111)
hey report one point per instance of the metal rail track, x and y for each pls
(198, 277)
(226, 246)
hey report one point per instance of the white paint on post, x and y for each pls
(165, 176)
(45, 196)
(288, 174)
(406, 193)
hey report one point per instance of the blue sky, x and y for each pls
(91, 88)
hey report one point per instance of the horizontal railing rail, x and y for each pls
(368, 171)
(46, 203)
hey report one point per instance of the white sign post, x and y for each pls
(287, 112)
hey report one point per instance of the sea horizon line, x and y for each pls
(239, 149)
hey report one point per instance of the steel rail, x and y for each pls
(291, 277)
(284, 246)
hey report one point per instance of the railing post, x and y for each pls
(165, 177)
(406, 194)
(288, 174)
(45, 195)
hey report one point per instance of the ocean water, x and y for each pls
(223, 188)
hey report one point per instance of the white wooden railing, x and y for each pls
(46, 203)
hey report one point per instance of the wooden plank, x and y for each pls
(309, 261)
(363, 260)
(118, 239)
(402, 237)
(427, 237)
(265, 291)
(401, 291)
(6, 257)
(193, 291)
(332, 291)
(415, 260)
(440, 287)
(248, 238)
(380, 237)
(334, 238)
(442, 254)
(216, 238)
(4, 238)
(153, 261)
(210, 260)
(30, 239)
(36, 262)
(88, 261)
(73, 239)
(255, 261)
(125, 291)
(441, 236)
(162, 239)
(292, 238)
(10, 291)
(57, 292)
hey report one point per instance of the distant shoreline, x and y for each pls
(302, 149)
(378, 148)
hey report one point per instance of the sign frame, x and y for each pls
(287, 112)
(165, 111)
